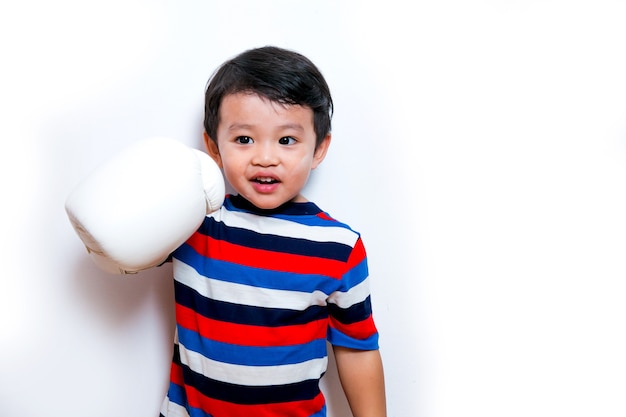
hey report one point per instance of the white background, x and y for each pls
(479, 146)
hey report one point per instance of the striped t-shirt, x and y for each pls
(258, 295)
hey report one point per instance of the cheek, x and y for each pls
(304, 168)
(230, 167)
(231, 172)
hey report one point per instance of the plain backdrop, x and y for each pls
(478, 146)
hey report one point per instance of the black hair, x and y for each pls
(278, 74)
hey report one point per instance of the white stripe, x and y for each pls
(246, 294)
(281, 227)
(354, 295)
(253, 375)
(171, 409)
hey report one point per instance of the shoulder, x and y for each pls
(341, 231)
(304, 221)
(324, 218)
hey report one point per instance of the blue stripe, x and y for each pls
(251, 355)
(176, 394)
(315, 221)
(355, 276)
(338, 338)
(197, 412)
(244, 314)
(264, 278)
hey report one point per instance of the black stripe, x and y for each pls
(275, 243)
(244, 314)
(251, 395)
(352, 314)
(176, 355)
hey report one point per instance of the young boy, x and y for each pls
(269, 278)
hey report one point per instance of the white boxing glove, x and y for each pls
(135, 209)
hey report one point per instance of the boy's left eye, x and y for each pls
(243, 139)
(286, 140)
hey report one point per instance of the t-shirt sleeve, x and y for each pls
(351, 323)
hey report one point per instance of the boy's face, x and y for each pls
(266, 149)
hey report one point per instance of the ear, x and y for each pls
(320, 152)
(212, 149)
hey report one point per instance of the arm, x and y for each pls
(362, 379)
(134, 210)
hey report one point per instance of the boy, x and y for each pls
(269, 278)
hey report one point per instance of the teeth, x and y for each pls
(264, 179)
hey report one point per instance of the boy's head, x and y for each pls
(276, 74)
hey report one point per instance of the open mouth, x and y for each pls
(265, 180)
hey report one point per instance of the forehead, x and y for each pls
(255, 110)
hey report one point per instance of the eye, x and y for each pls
(243, 140)
(286, 140)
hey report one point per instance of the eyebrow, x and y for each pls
(238, 126)
(293, 126)
(246, 126)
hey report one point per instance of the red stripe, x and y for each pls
(218, 408)
(176, 374)
(259, 258)
(358, 330)
(325, 216)
(248, 335)
(357, 255)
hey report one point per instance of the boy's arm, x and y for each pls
(362, 379)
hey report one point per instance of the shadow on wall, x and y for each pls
(117, 299)
(117, 302)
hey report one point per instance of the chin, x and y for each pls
(266, 206)
(268, 203)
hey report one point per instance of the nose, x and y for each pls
(265, 154)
